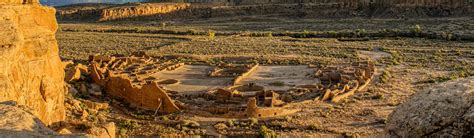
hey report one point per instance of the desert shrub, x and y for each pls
(451, 76)
(214, 61)
(266, 132)
(378, 96)
(277, 83)
(268, 34)
(396, 57)
(220, 126)
(164, 118)
(128, 124)
(360, 32)
(313, 127)
(82, 127)
(194, 124)
(385, 77)
(192, 32)
(163, 24)
(231, 122)
(447, 36)
(417, 30)
(305, 34)
(253, 121)
(122, 132)
(332, 34)
(211, 34)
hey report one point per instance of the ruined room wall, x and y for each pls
(148, 96)
(31, 72)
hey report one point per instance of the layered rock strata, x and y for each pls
(31, 72)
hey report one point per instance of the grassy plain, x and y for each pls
(412, 63)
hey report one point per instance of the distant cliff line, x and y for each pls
(160, 11)
(429, 3)
(70, 2)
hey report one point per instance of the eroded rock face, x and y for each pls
(145, 9)
(31, 72)
(444, 110)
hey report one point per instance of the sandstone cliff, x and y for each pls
(145, 9)
(31, 72)
(310, 8)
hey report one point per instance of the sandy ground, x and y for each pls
(374, 55)
(290, 75)
(192, 78)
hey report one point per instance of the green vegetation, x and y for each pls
(266, 132)
(253, 121)
(385, 77)
(314, 127)
(231, 122)
(277, 83)
(128, 124)
(378, 96)
(451, 76)
(417, 29)
(298, 43)
(211, 34)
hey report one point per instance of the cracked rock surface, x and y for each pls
(443, 110)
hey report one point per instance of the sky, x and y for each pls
(67, 2)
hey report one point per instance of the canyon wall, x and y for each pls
(141, 10)
(31, 72)
(69, 2)
(454, 3)
(291, 8)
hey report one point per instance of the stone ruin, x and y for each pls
(343, 81)
(129, 78)
(132, 79)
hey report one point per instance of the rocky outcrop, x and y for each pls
(31, 72)
(17, 121)
(68, 2)
(14, 119)
(19, 2)
(292, 8)
(446, 110)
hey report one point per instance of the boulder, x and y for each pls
(104, 131)
(17, 121)
(18, 118)
(31, 72)
(73, 74)
(96, 105)
(445, 110)
(64, 131)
